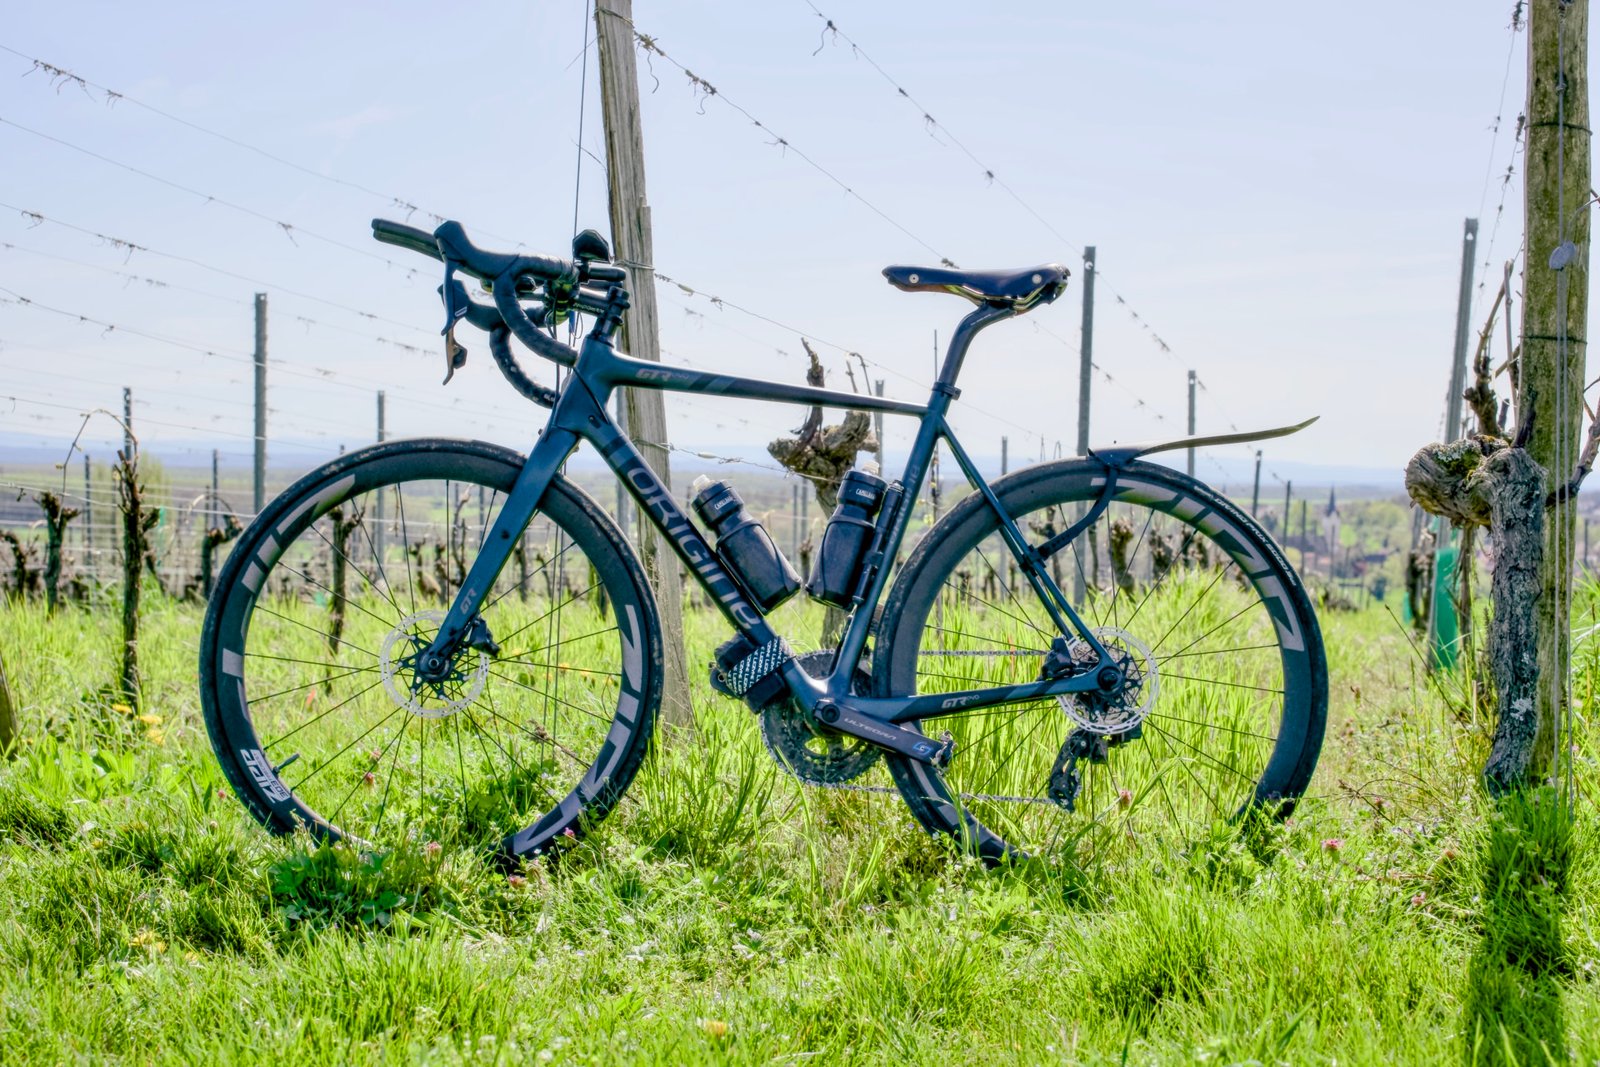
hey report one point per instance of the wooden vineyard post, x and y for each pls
(1554, 313)
(634, 250)
(1521, 489)
(10, 722)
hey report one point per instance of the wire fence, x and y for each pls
(185, 418)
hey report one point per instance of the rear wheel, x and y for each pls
(308, 654)
(1197, 602)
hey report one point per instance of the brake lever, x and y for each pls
(456, 306)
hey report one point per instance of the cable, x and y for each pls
(652, 47)
(932, 126)
(289, 229)
(316, 374)
(62, 75)
(159, 283)
(131, 247)
(1488, 167)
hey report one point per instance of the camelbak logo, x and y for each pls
(255, 761)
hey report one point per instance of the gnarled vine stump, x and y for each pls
(1484, 481)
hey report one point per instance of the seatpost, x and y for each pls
(974, 321)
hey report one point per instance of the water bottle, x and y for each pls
(744, 546)
(846, 539)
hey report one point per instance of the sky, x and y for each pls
(1275, 193)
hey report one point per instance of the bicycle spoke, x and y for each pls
(307, 576)
(355, 567)
(311, 662)
(534, 622)
(1168, 578)
(1202, 754)
(1195, 603)
(567, 641)
(1175, 565)
(535, 689)
(313, 684)
(1218, 681)
(306, 626)
(1211, 631)
(321, 715)
(405, 547)
(1209, 725)
(1214, 651)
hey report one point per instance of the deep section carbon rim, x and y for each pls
(1200, 607)
(309, 662)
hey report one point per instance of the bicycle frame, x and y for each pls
(580, 414)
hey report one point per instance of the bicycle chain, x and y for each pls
(991, 797)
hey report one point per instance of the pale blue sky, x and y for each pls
(1277, 189)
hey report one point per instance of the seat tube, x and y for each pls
(917, 464)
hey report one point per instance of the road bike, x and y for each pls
(445, 641)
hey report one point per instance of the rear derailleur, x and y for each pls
(1065, 781)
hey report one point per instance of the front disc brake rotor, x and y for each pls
(804, 747)
(430, 700)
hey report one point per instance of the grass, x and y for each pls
(723, 915)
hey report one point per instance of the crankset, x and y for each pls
(807, 749)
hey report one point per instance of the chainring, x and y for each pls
(804, 747)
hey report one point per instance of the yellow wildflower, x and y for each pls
(146, 939)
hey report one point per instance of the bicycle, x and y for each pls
(1181, 685)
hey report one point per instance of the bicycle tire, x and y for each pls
(1282, 617)
(274, 590)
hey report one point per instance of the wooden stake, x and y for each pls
(1551, 381)
(634, 249)
(10, 722)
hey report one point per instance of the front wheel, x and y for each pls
(1199, 605)
(307, 661)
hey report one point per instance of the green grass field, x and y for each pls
(725, 915)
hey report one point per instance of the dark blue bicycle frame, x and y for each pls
(580, 414)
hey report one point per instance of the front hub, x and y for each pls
(431, 686)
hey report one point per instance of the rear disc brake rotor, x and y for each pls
(1109, 714)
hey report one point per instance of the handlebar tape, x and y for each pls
(451, 242)
(407, 237)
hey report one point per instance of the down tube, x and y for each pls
(656, 501)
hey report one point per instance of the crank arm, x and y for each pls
(886, 735)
